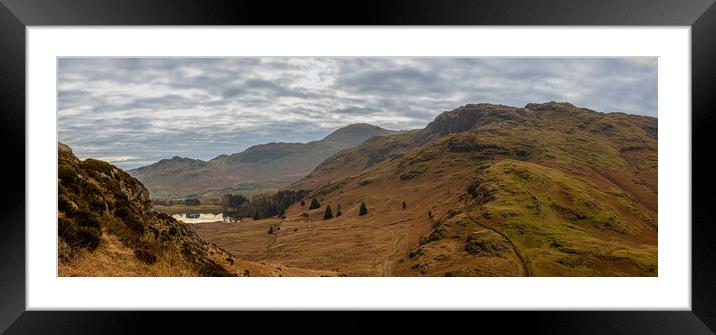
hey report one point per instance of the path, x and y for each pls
(393, 251)
(514, 247)
(273, 241)
(396, 240)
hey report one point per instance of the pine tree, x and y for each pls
(314, 204)
(363, 210)
(328, 214)
(404, 205)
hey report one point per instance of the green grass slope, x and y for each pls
(491, 190)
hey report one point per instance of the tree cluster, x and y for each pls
(192, 202)
(262, 206)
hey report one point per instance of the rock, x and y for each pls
(64, 252)
(469, 117)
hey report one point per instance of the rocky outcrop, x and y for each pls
(96, 199)
(469, 117)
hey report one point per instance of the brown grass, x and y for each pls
(113, 259)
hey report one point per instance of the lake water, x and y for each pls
(199, 217)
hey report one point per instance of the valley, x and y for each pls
(489, 190)
(549, 189)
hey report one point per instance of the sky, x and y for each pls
(135, 111)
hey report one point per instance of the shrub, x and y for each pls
(85, 237)
(134, 224)
(64, 204)
(484, 244)
(129, 219)
(457, 273)
(479, 192)
(145, 256)
(66, 228)
(303, 203)
(328, 214)
(212, 269)
(416, 252)
(96, 202)
(192, 202)
(67, 174)
(314, 204)
(363, 210)
(97, 165)
(437, 234)
(86, 218)
(234, 201)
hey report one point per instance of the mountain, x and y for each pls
(354, 134)
(271, 165)
(549, 189)
(106, 228)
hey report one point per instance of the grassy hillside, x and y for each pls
(106, 228)
(492, 190)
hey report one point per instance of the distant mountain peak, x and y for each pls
(271, 165)
(356, 133)
(182, 159)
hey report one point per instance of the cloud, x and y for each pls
(134, 111)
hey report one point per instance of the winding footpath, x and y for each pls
(273, 241)
(514, 247)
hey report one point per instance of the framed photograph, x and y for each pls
(418, 156)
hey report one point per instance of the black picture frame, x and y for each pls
(700, 15)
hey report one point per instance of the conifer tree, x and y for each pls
(404, 205)
(363, 210)
(328, 214)
(314, 204)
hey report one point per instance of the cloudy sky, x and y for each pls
(134, 111)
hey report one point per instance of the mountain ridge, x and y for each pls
(550, 189)
(269, 165)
